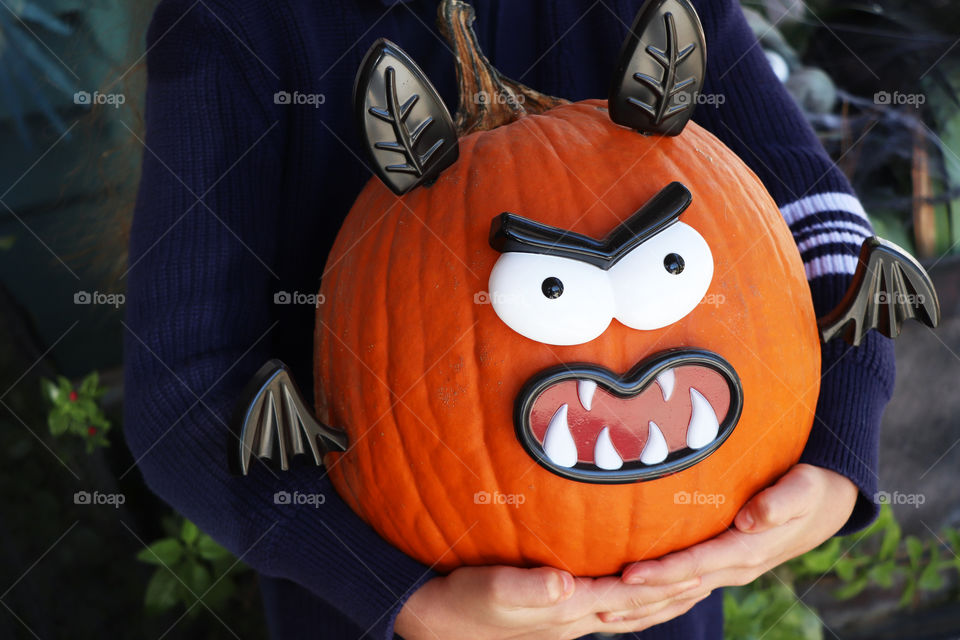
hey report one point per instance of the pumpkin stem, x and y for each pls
(487, 98)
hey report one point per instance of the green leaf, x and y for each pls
(819, 560)
(909, 592)
(58, 422)
(50, 390)
(851, 589)
(731, 608)
(914, 550)
(209, 549)
(90, 384)
(754, 603)
(64, 386)
(930, 579)
(845, 568)
(953, 537)
(87, 406)
(197, 578)
(882, 573)
(891, 540)
(188, 532)
(166, 552)
(161, 592)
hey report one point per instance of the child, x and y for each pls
(241, 197)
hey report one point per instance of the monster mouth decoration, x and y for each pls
(669, 412)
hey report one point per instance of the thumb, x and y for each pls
(777, 505)
(531, 588)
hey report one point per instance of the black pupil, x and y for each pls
(673, 263)
(552, 288)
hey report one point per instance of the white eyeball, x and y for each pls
(663, 279)
(551, 299)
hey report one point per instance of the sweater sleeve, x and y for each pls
(200, 321)
(753, 114)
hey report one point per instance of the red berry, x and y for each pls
(73, 396)
(92, 431)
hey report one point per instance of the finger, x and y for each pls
(632, 602)
(726, 550)
(789, 498)
(669, 612)
(512, 588)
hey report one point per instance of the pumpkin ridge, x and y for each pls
(374, 491)
(539, 134)
(401, 404)
(365, 464)
(485, 409)
(432, 397)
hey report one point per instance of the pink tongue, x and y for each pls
(628, 418)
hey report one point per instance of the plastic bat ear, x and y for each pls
(661, 69)
(406, 129)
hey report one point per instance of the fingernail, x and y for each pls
(568, 584)
(554, 584)
(609, 619)
(689, 584)
(634, 578)
(746, 521)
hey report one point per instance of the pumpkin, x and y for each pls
(419, 368)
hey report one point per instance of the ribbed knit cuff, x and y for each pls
(855, 386)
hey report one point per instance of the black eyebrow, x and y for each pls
(510, 232)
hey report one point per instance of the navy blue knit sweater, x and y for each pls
(241, 198)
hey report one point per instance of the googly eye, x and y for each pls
(663, 279)
(551, 299)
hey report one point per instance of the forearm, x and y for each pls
(758, 119)
(205, 244)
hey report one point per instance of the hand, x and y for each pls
(805, 507)
(487, 603)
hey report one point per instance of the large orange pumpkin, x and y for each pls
(415, 364)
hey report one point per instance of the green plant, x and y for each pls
(768, 608)
(879, 556)
(76, 411)
(191, 568)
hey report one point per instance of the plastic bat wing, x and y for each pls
(274, 421)
(888, 288)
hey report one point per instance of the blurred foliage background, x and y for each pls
(879, 81)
